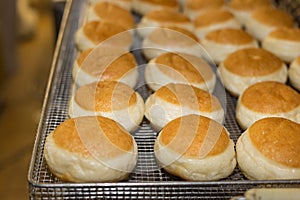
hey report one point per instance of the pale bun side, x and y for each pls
(82, 42)
(294, 73)
(142, 7)
(236, 83)
(130, 117)
(257, 166)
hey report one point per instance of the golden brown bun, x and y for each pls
(220, 43)
(196, 148)
(283, 42)
(192, 8)
(94, 33)
(114, 100)
(267, 99)
(214, 19)
(162, 18)
(126, 4)
(90, 149)
(265, 19)
(103, 65)
(175, 100)
(144, 6)
(179, 68)
(242, 8)
(269, 149)
(245, 67)
(110, 12)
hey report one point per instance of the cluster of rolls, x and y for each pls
(180, 41)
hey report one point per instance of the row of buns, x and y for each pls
(103, 148)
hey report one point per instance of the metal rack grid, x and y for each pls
(148, 181)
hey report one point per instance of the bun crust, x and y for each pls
(294, 73)
(269, 150)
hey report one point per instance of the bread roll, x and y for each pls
(283, 42)
(193, 8)
(269, 149)
(179, 68)
(94, 33)
(267, 99)
(103, 64)
(294, 73)
(264, 20)
(110, 12)
(245, 67)
(195, 148)
(171, 39)
(220, 43)
(144, 6)
(126, 4)
(90, 149)
(114, 100)
(214, 19)
(175, 100)
(242, 8)
(162, 18)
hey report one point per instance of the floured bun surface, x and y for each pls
(283, 42)
(267, 99)
(103, 65)
(245, 67)
(171, 39)
(294, 73)
(114, 100)
(90, 149)
(264, 20)
(214, 19)
(195, 148)
(179, 68)
(144, 6)
(192, 8)
(126, 4)
(175, 100)
(269, 149)
(95, 33)
(242, 8)
(220, 43)
(108, 11)
(162, 18)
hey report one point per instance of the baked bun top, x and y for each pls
(245, 5)
(252, 62)
(167, 16)
(165, 3)
(189, 96)
(270, 97)
(195, 136)
(230, 36)
(105, 96)
(93, 136)
(166, 34)
(273, 17)
(204, 4)
(284, 33)
(212, 16)
(99, 31)
(112, 13)
(108, 67)
(184, 66)
(278, 139)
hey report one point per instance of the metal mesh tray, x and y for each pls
(148, 181)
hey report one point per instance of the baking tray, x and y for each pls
(148, 181)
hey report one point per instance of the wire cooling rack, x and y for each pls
(148, 181)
